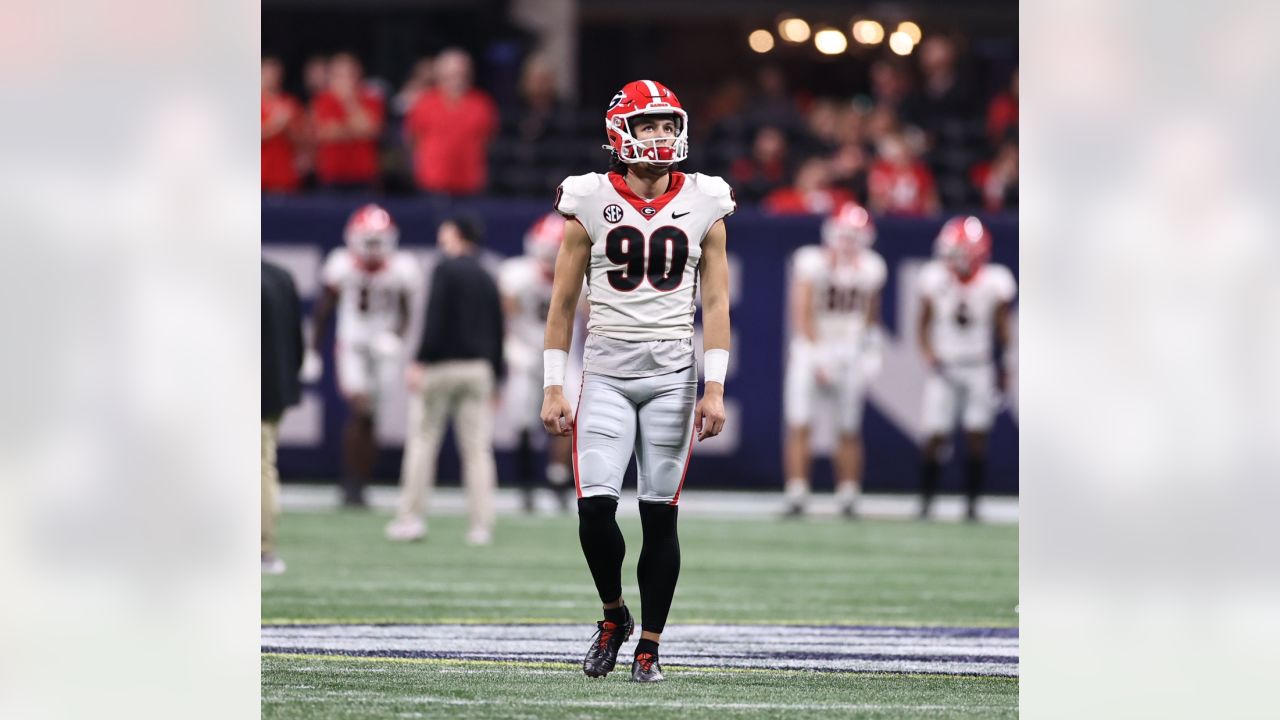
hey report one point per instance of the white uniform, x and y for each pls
(522, 280)
(640, 384)
(963, 333)
(839, 298)
(368, 306)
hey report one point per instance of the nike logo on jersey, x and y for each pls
(677, 216)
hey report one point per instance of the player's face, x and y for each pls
(653, 128)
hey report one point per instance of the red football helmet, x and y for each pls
(964, 245)
(849, 228)
(646, 97)
(371, 235)
(542, 240)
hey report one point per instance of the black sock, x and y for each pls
(602, 544)
(975, 471)
(524, 460)
(647, 646)
(929, 473)
(618, 615)
(659, 564)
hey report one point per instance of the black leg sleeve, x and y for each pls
(929, 471)
(524, 460)
(659, 565)
(602, 544)
(975, 472)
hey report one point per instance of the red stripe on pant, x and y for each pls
(675, 500)
(577, 483)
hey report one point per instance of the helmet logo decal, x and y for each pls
(616, 99)
(613, 213)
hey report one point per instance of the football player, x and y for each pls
(525, 283)
(964, 331)
(647, 238)
(834, 349)
(369, 282)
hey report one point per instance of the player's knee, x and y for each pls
(599, 507)
(658, 519)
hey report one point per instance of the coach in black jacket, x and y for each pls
(281, 361)
(458, 365)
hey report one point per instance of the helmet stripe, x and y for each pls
(653, 89)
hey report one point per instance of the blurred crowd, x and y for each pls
(926, 137)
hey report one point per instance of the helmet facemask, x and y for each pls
(662, 151)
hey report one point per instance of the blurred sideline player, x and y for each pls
(648, 240)
(369, 282)
(834, 349)
(525, 283)
(965, 306)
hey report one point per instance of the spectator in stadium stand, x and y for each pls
(283, 123)
(540, 114)
(898, 183)
(849, 169)
(997, 179)
(1002, 113)
(812, 192)
(890, 83)
(281, 362)
(315, 77)
(449, 129)
(458, 364)
(348, 119)
(943, 95)
(765, 169)
(421, 79)
(772, 104)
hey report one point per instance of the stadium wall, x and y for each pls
(297, 232)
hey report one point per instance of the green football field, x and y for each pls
(872, 618)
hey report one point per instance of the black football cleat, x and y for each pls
(605, 644)
(646, 668)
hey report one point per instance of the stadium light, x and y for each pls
(901, 44)
(830, 42)
(794, 30)
(760, 40)
(912, 30)
(868, 32)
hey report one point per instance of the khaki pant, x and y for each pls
(270, 484)
(461, 390)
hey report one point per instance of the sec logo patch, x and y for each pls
(613, 213)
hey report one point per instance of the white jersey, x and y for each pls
(839, 294)
(642, 279)
(523, 281)
(368, 302)
(963, 326)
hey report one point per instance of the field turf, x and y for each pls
(928, 584)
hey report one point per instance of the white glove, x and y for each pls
(386, 345)
(312, 367)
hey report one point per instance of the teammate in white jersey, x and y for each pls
(834, 349)
(644, 237)
(964, 309)
(525, 283)
(369, 282)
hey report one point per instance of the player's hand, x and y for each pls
(822, 376)
(312, 367)
(557, 416)
(931, 360)
(1002, 380)
(415, 376)
(708, 417)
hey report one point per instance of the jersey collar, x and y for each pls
(640, 204)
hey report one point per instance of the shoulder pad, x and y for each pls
(717, 188)
(571, 192)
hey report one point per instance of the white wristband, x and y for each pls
(553, 364)
(717, 365)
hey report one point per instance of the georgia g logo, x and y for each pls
(613, 213)
(616, 99)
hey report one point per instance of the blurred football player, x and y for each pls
(648, 239)
(369, 282)
(964, 331)
(525, 283)
(834, 349)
